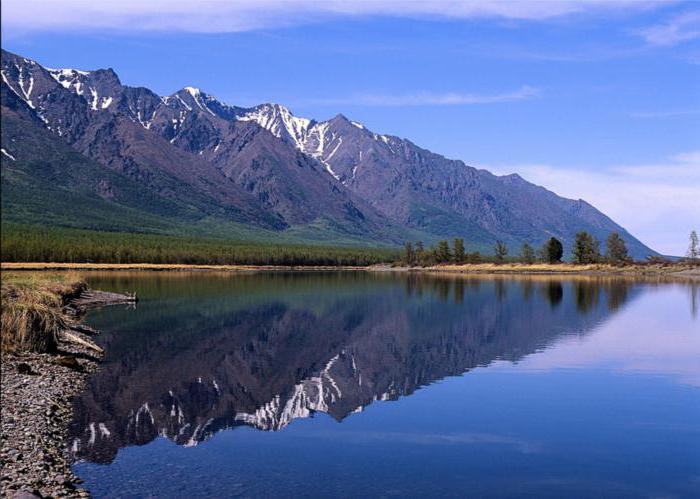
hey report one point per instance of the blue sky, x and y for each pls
(594, 100)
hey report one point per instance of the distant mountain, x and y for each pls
(237, 172)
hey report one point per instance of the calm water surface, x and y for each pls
(357, 385)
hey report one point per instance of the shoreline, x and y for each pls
(37, 406)
(37, 410)
(684, 271)
(38, 391)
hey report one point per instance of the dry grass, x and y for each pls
(520, 267)
(568, 268)
(32, 310)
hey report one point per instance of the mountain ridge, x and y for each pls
(265, 167)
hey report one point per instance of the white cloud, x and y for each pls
(220, 16)
(428, 98)
(658, 203)
(680, 28)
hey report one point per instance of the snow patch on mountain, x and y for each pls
(70, 79)
(280, 122)
(313, 394)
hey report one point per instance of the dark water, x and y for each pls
(352, 384)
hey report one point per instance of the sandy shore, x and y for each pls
(676, 270)
(682, 271)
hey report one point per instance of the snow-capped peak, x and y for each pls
(197, 97)
(70, 79)
(66, 72)
(281, 122)
(81, 83)
(193, 91)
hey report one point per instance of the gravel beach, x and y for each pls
(37, 391)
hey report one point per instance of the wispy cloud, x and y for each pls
(665, 114)
(428, 98)
(677, 29)
(221, 16)
(659, 203)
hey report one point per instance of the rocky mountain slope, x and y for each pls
(220, 166)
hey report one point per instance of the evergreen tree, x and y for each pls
(586, 248)
(459, 250)
(442, 254)
(500, 250)
(693, 247)
(552, 251)
(527, 254)
(420, 254)
(409, 256)
(616, 251)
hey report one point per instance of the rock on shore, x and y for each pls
(37, 391)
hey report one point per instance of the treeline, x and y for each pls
(30, 244)
(586, 249)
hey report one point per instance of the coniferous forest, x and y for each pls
(33, 244)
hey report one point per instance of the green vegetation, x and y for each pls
(443, 254)
(500, 250)
(459, 250)
(22, 243)
(586, 248)
(693, 248)
(552, 251)
(616, 251)
(585, 251)
(409, 255)
(527, 254)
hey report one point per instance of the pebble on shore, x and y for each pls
(37, 391)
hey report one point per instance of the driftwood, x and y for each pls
(89, 298)
(93, 298)
(74, 338)
(82, 328)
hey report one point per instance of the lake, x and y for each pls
(356, 384)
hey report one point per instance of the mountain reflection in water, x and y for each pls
(200, 355)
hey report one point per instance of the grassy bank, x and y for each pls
(34, 244)
(33, 312)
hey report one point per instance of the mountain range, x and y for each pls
(82, 150)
